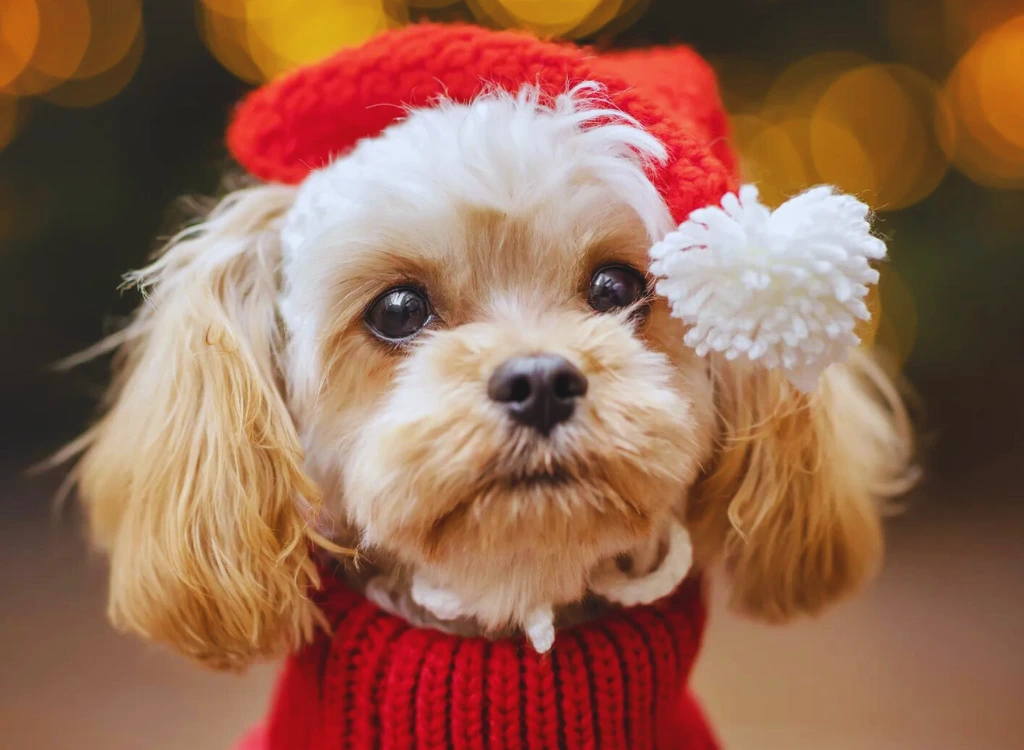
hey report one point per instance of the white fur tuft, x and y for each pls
(540, 629)
(630, 591)
(509, 152)
(782, 287)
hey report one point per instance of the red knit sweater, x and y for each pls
(617, 683)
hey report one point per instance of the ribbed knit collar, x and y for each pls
(619, 682)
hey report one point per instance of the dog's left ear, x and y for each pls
(193, 480)
(793, 495)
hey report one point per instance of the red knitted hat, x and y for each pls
(300, 122)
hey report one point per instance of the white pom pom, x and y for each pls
(784, 287)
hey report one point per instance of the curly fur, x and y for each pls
(254, 417)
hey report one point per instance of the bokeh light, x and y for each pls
(19, 34)
(546, 18)
(557, 18)
(116, 25)
(249, 9)
(984, 92)
(797, 89)
(311, 30)
(889, 110)
(226, 35)
(967, 20)
(70, 52)
(65, 29)
(259, 39)
(772, 156)
(1001, 80)
(86, 92)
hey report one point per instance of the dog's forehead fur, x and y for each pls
(472, 201)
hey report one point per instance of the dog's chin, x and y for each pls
(563, 517)
(527, 539)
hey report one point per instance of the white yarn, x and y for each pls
(782, 287)
(540, 629)
(441, 603)
(616, 586)
(539, 625)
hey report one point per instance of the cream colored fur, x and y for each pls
(254, 418)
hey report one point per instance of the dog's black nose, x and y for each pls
(538, 391)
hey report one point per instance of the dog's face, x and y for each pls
(443, 347)
(482, 376)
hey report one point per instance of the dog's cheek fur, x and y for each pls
(431, 477)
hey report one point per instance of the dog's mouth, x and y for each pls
(552, 477)
(516, 481)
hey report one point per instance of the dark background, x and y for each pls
(84, 193)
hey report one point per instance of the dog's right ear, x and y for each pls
(193, 480)
(792, 498)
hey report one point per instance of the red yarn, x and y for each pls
(303, 120)
(616, 683)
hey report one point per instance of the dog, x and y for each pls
(442, 359)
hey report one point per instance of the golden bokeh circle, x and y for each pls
(116, 24)
(550, 13)
(65, 27)
(800, 85)
(19, 34)
(977, 147)
(431, 4)
(545, 18)
(967, 20)
(888, 111)
(1001, 80)
(603, 14)
(227, 38)
(87, 92)
(311, 31)
(841, 159)
(771, 156)
(250, 9)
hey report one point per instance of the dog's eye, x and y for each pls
(615, 287)
(398, 314)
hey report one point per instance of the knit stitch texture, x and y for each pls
(616, 683)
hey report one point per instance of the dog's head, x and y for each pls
(444, 347)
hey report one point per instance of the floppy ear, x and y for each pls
(193, 479)
(793, 496)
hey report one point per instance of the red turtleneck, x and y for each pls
(619, 682)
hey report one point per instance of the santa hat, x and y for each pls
(783, 288)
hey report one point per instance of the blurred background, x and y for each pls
(112, 109)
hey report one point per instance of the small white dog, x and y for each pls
(443, 350)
